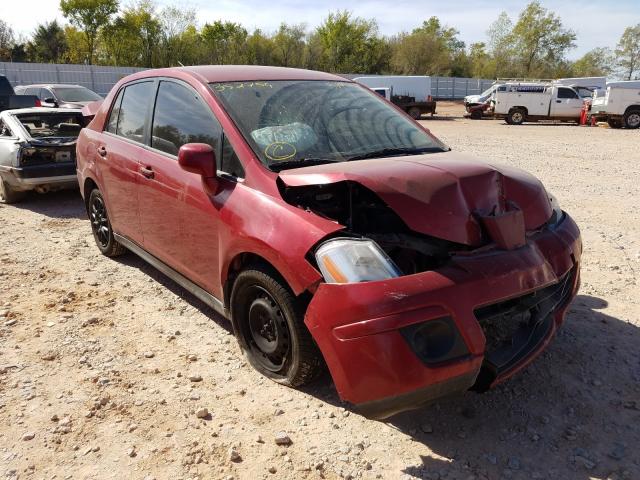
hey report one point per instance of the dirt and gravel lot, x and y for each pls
(106, 365)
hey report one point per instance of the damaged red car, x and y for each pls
(331, 229)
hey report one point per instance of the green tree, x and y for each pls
(89, 16)
(346, 43)
(481, 63)
(598, 62)
(628, 52)
(179, 37)
(75, 40)
(133, 38)
(260, 49)
(431, 49)
(7, 40)
(224, 42)
(288, 45)
(539, 41)
(48, 43)
(500, 47)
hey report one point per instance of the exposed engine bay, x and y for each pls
(364, 214)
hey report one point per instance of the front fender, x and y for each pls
(282, 234)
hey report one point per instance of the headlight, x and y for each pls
(346, 260)
(557, 214)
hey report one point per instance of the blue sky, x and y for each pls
(597, 23)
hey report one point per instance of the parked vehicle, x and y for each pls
(619, 105)
(9, 100)
(538, 103)
(330, 229)
(478, 106)
(411, 93)
(60, 95)
(37, 151)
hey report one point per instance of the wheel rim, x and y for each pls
(266, 331)
(633, 120)
(516, 117)
(99, 221)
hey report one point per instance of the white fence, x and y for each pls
(100, 79)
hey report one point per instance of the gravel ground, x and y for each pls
(110, 370)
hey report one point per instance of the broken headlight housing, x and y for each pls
(348, 260)
(557, 214)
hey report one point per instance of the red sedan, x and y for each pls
(331, 229)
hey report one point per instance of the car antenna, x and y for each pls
(180, 63)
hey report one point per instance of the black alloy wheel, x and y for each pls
(101, 227)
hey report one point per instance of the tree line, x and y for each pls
(102, 32)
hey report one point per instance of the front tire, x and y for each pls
(268, 323)
(101, 226)
(9, 195)
(632, 119)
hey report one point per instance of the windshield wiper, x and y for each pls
(392, 152)
(300, 162)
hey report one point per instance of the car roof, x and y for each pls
(242, 73)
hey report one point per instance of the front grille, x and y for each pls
(514, 328)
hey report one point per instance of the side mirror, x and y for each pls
(51, 100)
(198, 158)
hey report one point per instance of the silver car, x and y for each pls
(37, 151)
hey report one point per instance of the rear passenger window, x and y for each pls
(181, 117)
(134, 108)
(566, 93)
(112, 124)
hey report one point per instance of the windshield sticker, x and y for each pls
(222, 87)
(279, 151)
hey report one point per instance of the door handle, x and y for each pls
(558, 101)
(102, 151)
(147, 172)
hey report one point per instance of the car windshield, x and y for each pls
(76, 94)
(293, 123)
(51, 125)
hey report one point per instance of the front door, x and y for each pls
(178, 216)
(566, 103)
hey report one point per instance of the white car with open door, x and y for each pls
(37, 151)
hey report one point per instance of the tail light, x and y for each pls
(38, 102)
(429, 98)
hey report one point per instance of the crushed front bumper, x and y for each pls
(362, 328)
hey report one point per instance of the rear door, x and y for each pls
(565, 103)
(178, 216)
(118, 154)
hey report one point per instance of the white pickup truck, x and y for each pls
(618, 105)
(551, 102)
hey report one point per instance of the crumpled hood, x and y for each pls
(443, 195)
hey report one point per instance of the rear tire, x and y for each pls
(268, 323)
(632, 119)
(516, 117)
(101, 226)
(614, 123)
(415, 113)
(476, 114)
